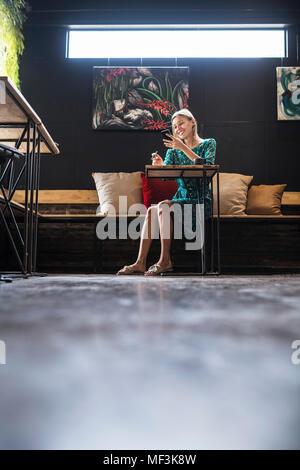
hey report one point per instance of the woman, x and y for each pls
(184, 146)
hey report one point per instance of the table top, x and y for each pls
(181, 171)
(14, 113)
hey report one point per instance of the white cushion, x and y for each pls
(233, 193)
(112, 185)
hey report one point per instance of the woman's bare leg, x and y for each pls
(148, 233)
(165, 229)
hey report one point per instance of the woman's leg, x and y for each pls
(166, 230)
(148, 233)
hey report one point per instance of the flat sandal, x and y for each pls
(128, 271)
(156, 269)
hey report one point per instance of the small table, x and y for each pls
(23, 139)
(204, 175)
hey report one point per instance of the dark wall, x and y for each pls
(235, 99)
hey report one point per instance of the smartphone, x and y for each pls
(166, 131)
(199, 161)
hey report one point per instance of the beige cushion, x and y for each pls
(112, 185)
(265, 199)
(233, 193)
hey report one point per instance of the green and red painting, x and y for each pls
(288, 93)
(138, 97)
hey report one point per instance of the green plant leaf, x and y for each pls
(12, 15)
(150, 93)
(168, 87)
(173, 97)
(152, 79)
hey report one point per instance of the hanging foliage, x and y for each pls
(12, 17)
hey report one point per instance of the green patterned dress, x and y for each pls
(206, 150)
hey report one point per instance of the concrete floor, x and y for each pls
(106, 362)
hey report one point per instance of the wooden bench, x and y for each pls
(79, 202)
(68, 243)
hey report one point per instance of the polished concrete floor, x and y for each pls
(106, 362)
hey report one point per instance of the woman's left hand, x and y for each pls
(174, 143)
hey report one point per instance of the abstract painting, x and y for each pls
(288, 93)
(138, 97)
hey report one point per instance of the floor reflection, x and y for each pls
(126, 362)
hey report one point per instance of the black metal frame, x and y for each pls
(11, 157)
(8, 156)
(203, 181)
(31, 167)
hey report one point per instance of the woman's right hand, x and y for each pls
(156, 159)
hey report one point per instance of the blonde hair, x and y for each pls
(186, 113)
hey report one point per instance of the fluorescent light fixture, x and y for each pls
(178, 26)
(176, 42)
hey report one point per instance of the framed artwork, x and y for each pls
(138, 97)
(288, 93)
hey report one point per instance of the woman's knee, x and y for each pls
(161, 206)
(151, 211)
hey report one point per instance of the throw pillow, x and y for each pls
(233, 193)
(112, 185)
(265, 199)
(156, 190)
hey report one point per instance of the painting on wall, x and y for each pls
(288, 93)
(138, 97)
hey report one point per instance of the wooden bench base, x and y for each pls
(67, 239)
(247, 245)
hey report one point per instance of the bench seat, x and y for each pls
(83, 201)
(249, 243)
